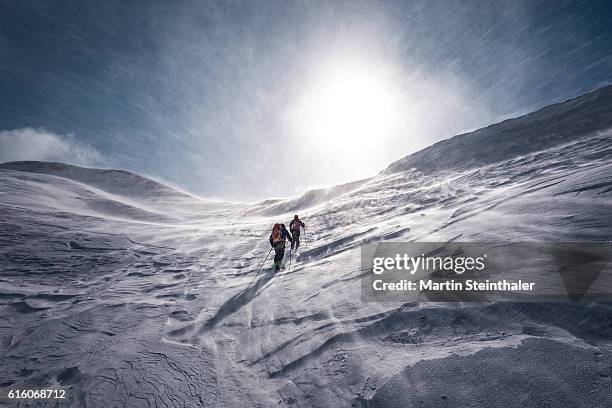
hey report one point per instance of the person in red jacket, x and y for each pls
(294, 227)
(277, 241)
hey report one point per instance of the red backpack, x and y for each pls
(276, 233)
(294, 225)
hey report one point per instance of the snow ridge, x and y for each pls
(548, 127)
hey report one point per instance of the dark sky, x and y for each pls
(209, 96)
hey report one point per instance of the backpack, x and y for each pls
(276, 233)
(294, 225)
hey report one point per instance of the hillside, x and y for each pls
(118, 182)
(548, 127)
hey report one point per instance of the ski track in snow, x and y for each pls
(155, 301)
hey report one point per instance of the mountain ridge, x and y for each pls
(549, 126)
(118, 182)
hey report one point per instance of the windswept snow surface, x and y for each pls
(129, 299)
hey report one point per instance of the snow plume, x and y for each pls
(43, 145)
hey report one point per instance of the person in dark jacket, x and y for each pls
(294, 227)
(277, 241)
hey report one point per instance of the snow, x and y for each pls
(118, 182)
(131, 293)
(553, 125)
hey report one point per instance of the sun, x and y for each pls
(348, 110)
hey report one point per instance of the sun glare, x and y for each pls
(348, 111)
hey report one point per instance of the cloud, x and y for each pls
(39, 144)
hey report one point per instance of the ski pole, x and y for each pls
(305, 242)
(264, 262)
(291, 249)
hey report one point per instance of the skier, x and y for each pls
(294, 227)
(277, 241)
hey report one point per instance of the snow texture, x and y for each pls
(130, 293)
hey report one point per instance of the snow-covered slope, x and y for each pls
(98, 192)
(553, 125)
(307, 200)
(131, 304)
(118, 182)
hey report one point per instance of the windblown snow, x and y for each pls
(130, 293)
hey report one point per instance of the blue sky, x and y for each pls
(255, 99)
